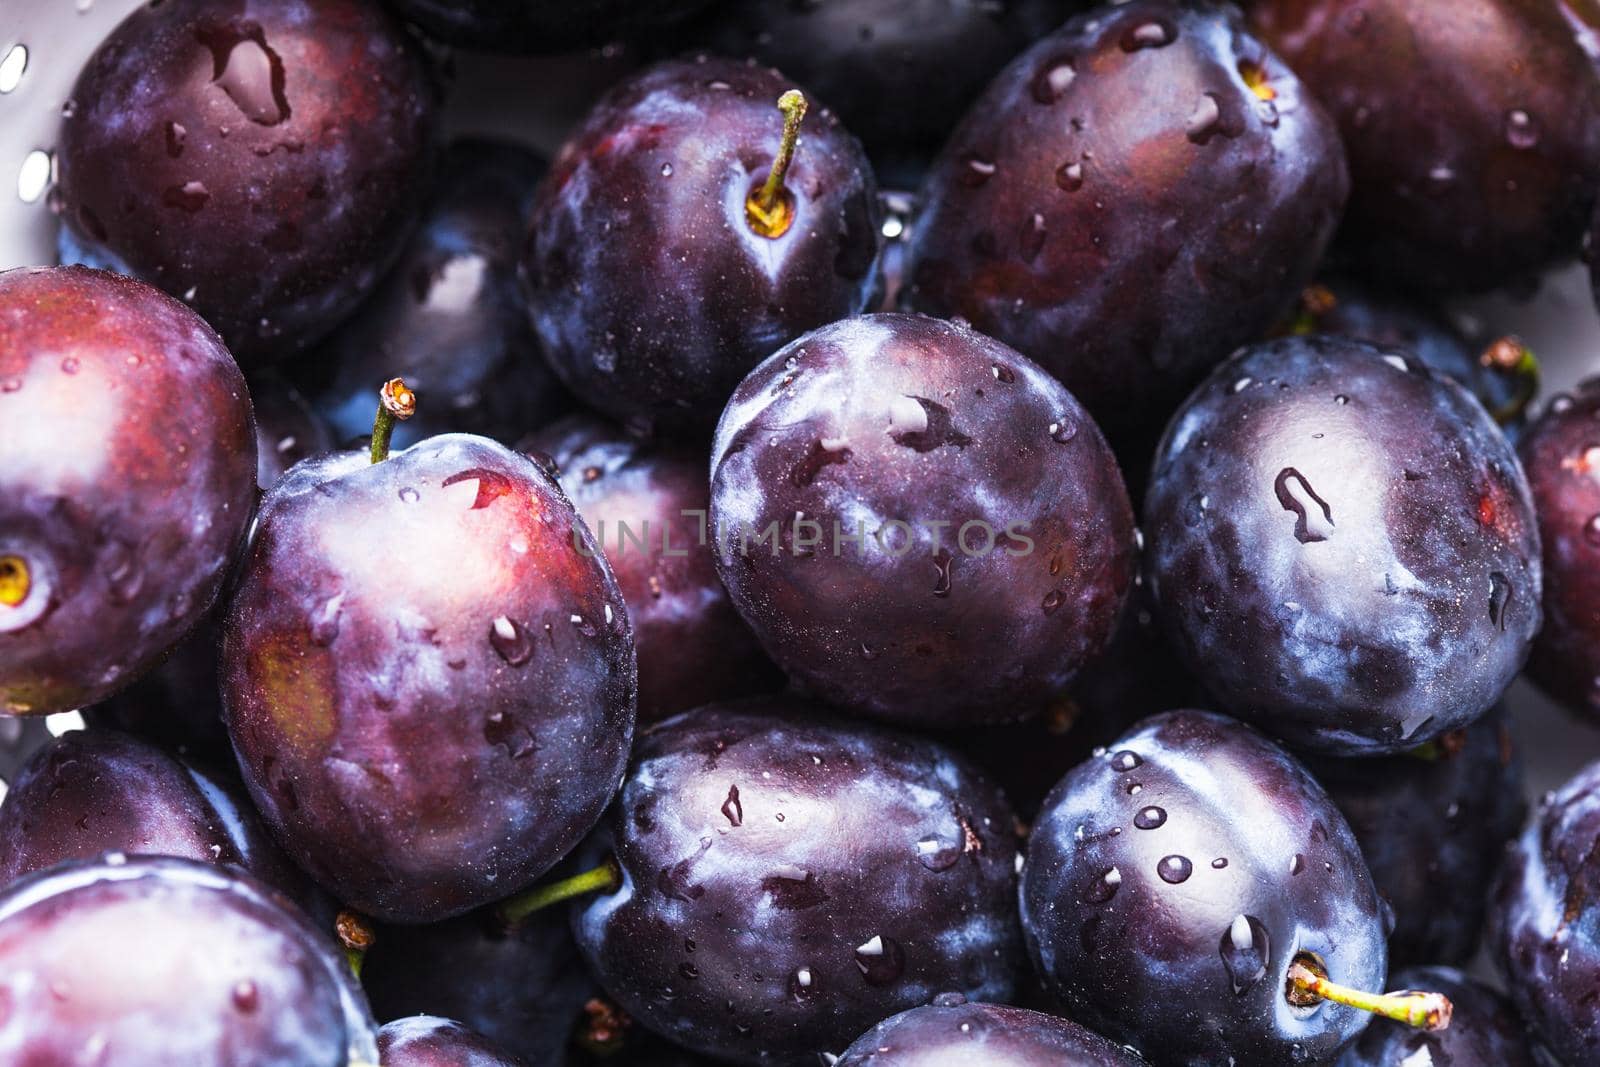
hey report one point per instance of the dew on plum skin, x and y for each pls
(1156, 937)
(816, 941)
(950, 1030)
(430, 1041)
(196, 133)
(1339, 671)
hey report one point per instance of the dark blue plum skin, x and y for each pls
(521, 986)
(1343, 546)
(87, 793)
(450, 318)
(427, 674)
(429, 1041)
(127, 480)
(990, 1034)
(1472, 129)
(1433, 826)
(693, 647)
(1561, 455)
(166, 961)
(1410, 323)
(653, 186)
(1543, 918)
(537, 26)
(903, 418)
(900, 74)
(268, 156)
(789, 879)
(1484, 1030)
(1172, 879)
(1122, 207)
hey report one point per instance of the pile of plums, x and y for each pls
(926, 532)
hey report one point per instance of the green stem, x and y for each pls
(1510, 356)
(606, 878)
(396, 402)
(1309, 983)
(770, 210)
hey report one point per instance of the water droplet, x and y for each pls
(1522, 130)
(923, 425)
(1242, 384)
(1205, 121)
(1397, 361)
(190, 196)
(1246, 947)
(881, 960)
(1126, 760)
(941, 563)
(1174, 870)
(1313, 516)
(938, 855)
(1052, 82)
(510, 640)
(1069, 176)
(33, 177)
(1297, 863)
(325, 621)
(801, 983)
(248, 70)
(12, 67)
(176, 134)
(1341, 400)
(1499, 597)
(818, 457)
(1591, 529)
(1103, 888)
(1052, 601)
(1003, 374)
(1219, 863)
(409, 495)
(1150, 818)
(1064, 429)
(975, 170)
(666, 170)
(1032, 238)
(246, 997)
(70, 365)
(731, 808)
(1153, 34)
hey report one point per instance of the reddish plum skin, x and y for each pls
(1561, 454)
(426, 660)
(233, 979)
(1433, 829)
(1542, 920)
(1484, 1030)
(1343, 546)
(277, 187)
(817, 876)
(911, 419)
(693, 647)
(1472, 127)
(990, 1034)
(653, 185)
(899, 73)
(522, 987)
(127, 480)
(1127, 211)
(429, 1041)
(1127, 894)
(450, 318)
(535, 26)
(91, 792)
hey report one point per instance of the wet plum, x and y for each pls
(263, 160)
(450, 318)
(970, 542)
(1543, 920)
(899, 73)
(951, 1031)
(1561, 454)
(661, 183)
(91, 792)
(1343, 546)
(1134, 197)
(429, 1041)
(151, 960)
(646, 506)
(788, 879)
(519, 984)
(1433, 824)
(1484, 1030)
(1189, 865)
(427, 674)
(1472, 128)
(542, 25)
(127, 479)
